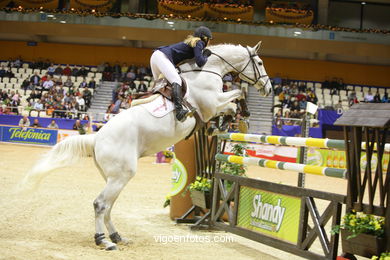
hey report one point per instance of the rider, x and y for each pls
(165, 58)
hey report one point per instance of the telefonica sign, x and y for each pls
(28, 135)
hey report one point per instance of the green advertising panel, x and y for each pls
(269, 213)
(179, 177)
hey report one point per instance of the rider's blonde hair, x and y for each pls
(191, 40)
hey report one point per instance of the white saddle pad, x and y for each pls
(159, 107)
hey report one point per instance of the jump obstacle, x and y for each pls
(248, 202)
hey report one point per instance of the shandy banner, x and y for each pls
(28, 135)
(269, 213)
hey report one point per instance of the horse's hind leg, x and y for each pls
(103, 205)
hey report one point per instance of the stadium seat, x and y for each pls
(358, 89)
(327, 91)
(25, 65)
(5, 80)
(317, 85)
(13, 80)
(94, 69)
(29, 71)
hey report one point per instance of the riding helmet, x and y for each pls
(203, 32)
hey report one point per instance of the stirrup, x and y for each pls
(191, 112)
(182, 115)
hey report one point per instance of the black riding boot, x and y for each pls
(181, 114)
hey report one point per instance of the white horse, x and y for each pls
(135, 133)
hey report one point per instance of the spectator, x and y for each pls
(38, 105)
(351, 97)
(385, 98)
(53, 125)
(48, 84)
(377, 98)
(58, 70)
(79, 127)
(68, 83)
(124, 69)
(87, 95)
(67, 71)
(100, 68)
(24, 122)
(92, 83)
(311, 97)
(2, 71)
(35, 79)
(81, 102)
(33, 96)
(51, 70)
(36, 123)
(369, 98)
(75, 72)
(83, 84)
(303, 103)
(83, 72)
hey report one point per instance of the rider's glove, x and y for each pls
(206, 52)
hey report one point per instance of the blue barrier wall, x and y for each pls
(15, 134)
(44, 121)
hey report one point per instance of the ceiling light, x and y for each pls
(363, 3)
(62, 21)
(170, 23)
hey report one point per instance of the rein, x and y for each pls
(258, 75)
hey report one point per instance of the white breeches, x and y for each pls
(160, 64)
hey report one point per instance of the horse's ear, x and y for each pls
(257, 47)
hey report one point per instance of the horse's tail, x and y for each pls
(66, 152)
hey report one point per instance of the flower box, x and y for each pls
(363, 244)
(201, 198)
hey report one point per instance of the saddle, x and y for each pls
(164, 88)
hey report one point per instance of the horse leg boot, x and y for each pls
(181, 113)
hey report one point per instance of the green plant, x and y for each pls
(201, 184)
(361, 223)
(383, 256)
(234, 168)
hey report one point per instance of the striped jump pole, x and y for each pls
(297, 167)
(296, 141)
(284, 140)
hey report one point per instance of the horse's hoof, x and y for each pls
(124, 241)
(110, 248)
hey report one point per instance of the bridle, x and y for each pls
(251, 61)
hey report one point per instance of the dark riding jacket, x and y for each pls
(181, 51)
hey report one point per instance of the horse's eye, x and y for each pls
(260, 63)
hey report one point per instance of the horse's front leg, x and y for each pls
(225, 98)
